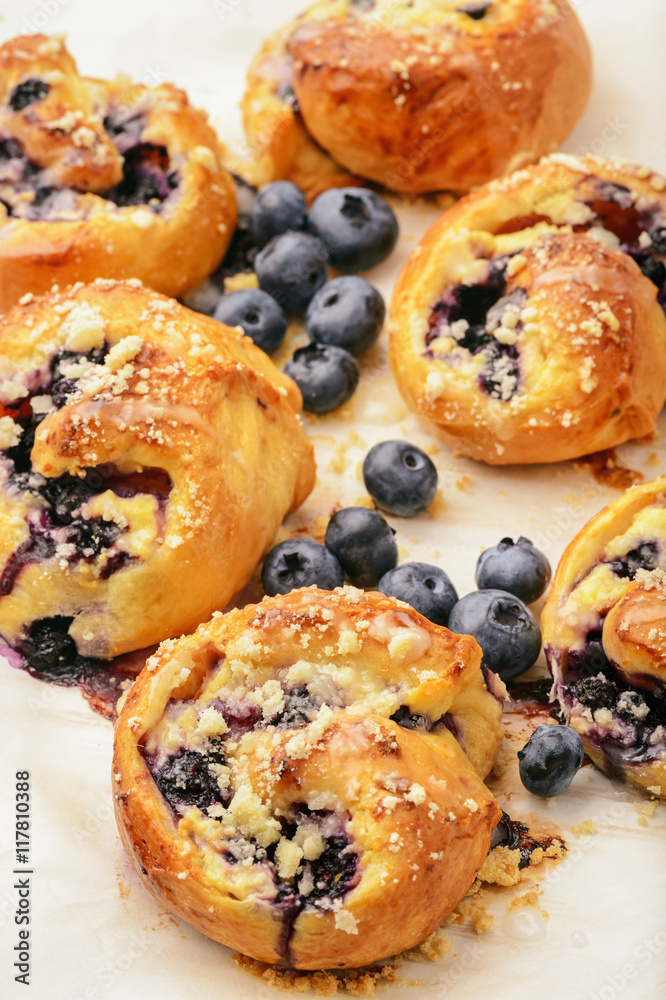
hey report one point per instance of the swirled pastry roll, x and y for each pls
(528, 325)
(286, 779)
(103, 178)
(418, 95)
(604, 630)
(147, 456)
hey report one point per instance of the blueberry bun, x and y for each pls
(103, 178)
(604, 630)
(288, 780)
(147, 456)
(528, 325)
(417, 95)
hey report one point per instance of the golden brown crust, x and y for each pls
(279, 144)
(609, 590)
(418, 96)
(80, 233)
(583, 365)
(177, 399)
(407, 802)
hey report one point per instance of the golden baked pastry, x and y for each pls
(417, 95)
(103, 178)
(286, 779)
(604, 630)
(147, 456)
(528, 324)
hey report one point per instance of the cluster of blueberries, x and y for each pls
(352, 229)
(360, 546)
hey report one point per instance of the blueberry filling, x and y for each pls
(595, 692)
(35, 548)
(636, 717)
(239, 258)
(28, 92)
(298, 709)
(50, 653)
(61, 386)
(515, 835)
(148, 178)
(645, 556)
(469, 302)
(285, 90)
(658, 237)
(20, 453)
(481, 306)
(334, 871)
(187, 779)
(124, 132)
(613, 206)
(477, 11)
(408, 720)
(652, 268)
(85, 538)
(328, 877)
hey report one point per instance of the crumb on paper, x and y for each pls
(239, 282)
(530, 898)
(472, 911)
(645, 808)
(502, 865)
(432, 949)
(464, 484)
(319, 527)
(365, 502)
(355, 982)
(583, 829)
(436, 506)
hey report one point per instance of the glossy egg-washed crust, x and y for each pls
(194, 399)
(63, 134)
(584, 593)
(592, 336)
(417, 96)
(419, 853)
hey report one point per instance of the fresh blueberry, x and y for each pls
(400, 478)
(257, 312)
(549, 760)
(519, 568)
(358, 227)
(506, 630)
(278, 208)
(658, 237)
(327, 376)
(427, 588)
(300, 562)
(347, 312)
(291, 268)
(363, 543)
